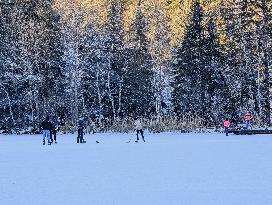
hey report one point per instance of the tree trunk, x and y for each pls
(99, 94)
(10, 106)
(110, 96)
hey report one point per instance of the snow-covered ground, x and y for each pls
(170, 169)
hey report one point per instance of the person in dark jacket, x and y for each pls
(46, 126)
(53, 133)
(80, 127)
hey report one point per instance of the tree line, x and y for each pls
(58, 64)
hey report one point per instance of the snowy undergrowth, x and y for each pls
(170, 169)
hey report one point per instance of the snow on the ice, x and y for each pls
(170, 169)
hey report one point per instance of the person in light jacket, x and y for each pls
(139, 129)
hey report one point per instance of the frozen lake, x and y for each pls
(169, 169)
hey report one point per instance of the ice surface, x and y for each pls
(170, 169)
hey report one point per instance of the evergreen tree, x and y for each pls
(116, 57)
(244, 62)
(218, 99)
(138, 98)
(188, 96)
(265, 51)
(200, 88)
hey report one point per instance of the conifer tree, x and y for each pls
(138, 95)
(188, 80)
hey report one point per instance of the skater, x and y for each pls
(80, 127)
(247, 120)
(139, 129)
(46, 126)
(226, 126)
(53, 132)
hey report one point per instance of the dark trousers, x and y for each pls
(227, 131)
(53, 133)
(142, 133)
(80, 136)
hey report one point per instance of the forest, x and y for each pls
(173, 63)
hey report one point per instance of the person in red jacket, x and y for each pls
(247, 120)
(226, 126)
